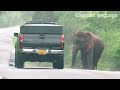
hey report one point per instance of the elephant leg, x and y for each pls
(90, 64)
(96, 55)
(74, 54)
(84, 60)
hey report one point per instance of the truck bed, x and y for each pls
(41, 28)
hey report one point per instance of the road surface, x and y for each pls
(10, 72)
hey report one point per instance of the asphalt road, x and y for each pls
(10, 72)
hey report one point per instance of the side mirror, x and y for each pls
(16, 34)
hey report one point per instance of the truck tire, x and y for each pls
(55, 65)
(59, 63)
(19, 60)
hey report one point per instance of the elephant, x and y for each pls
(91, 47)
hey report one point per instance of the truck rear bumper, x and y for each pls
(46, 51)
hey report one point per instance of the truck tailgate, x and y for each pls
(41, 40)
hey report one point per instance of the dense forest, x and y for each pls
(105, 24)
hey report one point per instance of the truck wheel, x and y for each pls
(54, 64)
(59, 64)
(19, 60)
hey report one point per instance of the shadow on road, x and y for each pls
(39, 68)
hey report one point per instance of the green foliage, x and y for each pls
(44, 16)
(105, 27)
(2, 12)
(111, 41)
(13, 18)
(116, 52)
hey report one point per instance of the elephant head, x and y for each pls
(81, 39)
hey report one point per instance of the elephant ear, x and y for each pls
(88, 35)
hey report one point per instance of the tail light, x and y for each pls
(62, 40)
(21, 38)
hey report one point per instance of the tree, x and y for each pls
(2, 12)
(44, 16)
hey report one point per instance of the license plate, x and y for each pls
(42, 52)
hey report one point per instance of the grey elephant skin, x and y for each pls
(91, 47)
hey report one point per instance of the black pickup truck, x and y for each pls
(38, 41)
